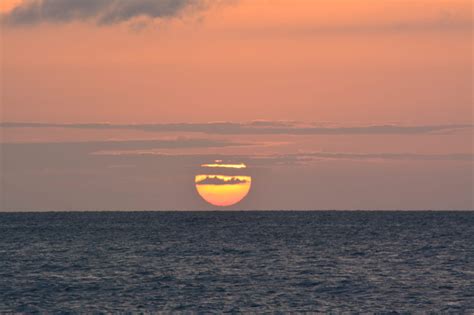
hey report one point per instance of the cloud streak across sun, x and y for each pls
(221, 180)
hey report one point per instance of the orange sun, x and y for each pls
(223, 190)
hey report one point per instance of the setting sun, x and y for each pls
(221, 190)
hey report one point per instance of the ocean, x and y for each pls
(332, 261)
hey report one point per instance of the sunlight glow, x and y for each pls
(218, 165)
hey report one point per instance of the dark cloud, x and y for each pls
(212, 180)
(116, 11)
(256, 128)
(101, 11)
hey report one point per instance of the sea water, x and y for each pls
(237, 261)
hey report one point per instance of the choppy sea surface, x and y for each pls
(237, 262)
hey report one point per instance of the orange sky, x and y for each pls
(327, 62)
(341, 61)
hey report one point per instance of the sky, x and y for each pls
(331, 104)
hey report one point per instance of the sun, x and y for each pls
(223, 190)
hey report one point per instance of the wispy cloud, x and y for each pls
(256, 128)
(58, 155)
(303, 158)
(100, 11)
(315, 156)
(126, 145)
(106, 12)
(146, 154)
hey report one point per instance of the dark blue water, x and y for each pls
(256, 261)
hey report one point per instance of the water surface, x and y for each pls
(237, 261)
